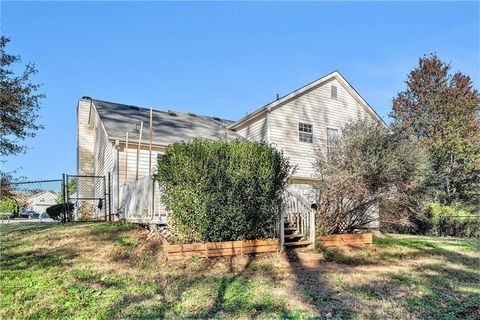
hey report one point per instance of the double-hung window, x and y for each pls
(305, 132)
(332, 135)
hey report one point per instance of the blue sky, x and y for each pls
(222, 59)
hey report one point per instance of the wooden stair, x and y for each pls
(290, 236)
(297, 243)
(293, 239)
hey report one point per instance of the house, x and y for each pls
(40, 201)
(299, 122)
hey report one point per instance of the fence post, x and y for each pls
(64, 205)
(104, 198)
(66, 194)
(109, 197)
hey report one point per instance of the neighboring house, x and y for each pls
(298, 123)
(39, 202)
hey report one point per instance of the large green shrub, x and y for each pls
(453, 220)
(221, 190)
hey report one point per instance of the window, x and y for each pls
(333, 92)
(305, 132)
(332, 135)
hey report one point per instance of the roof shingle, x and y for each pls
(168, 128)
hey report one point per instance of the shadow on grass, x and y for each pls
(446, 288)
(43, 259)
(388, 250)
(231, 294)
(108, 231)
(428, 291)
(234, 295)
(26, 227)
(311, 284)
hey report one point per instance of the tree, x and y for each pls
(19, 102)
(440, 111)
(365, 166)
(6, 189)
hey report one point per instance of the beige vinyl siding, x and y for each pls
(255, 129)
(104, 159)
(132, 163)
(85, 139)
(95, 153)
(103, 151)
(314, 107)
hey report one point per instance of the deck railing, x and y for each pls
(296, 212)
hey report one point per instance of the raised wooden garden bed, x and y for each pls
(216, 249)
(347, 239)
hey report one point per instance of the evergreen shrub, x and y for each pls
(222, 190)
(454, 220)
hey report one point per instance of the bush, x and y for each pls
(56, 211)
(453, 220)
(222, 191)
(10, 206)
(365, 167)
(5, 216)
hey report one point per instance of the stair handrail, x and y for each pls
(305, 217)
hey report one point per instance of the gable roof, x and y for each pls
(292, 95)
(168, 127)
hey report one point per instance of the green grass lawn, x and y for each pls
(110, 271)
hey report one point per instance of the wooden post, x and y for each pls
(282, 229)
(150, 144)
(138, 148)
(312, 229)
(126, 158)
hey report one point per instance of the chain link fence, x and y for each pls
(30, 199)
(89, 195)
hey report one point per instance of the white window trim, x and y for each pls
(336, 92)
(326, 133)
(311, 133)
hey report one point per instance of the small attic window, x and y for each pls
(216, 118)
(134, 108)
(191, 114)
(333, 92)
(173, 114)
